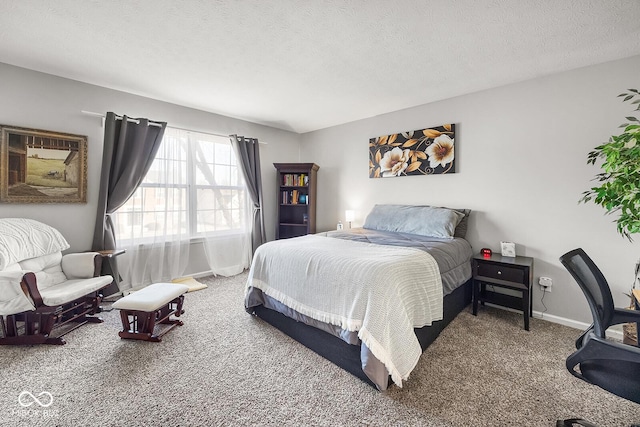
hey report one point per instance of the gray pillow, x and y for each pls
(422, 220)
(461, 228)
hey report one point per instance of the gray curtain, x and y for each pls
(130, 145)
(248, 153)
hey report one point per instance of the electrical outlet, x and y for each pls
(545, 283)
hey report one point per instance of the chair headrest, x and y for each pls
(22, 238)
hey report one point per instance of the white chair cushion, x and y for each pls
(151, 298)
(46, 268)
(79, 266)
(70, 290)
(41, 262)
(12, 267)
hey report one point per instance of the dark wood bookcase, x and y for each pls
(297, 190)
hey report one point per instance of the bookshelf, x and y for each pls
(297, 184)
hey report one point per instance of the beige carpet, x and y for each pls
(225, 367)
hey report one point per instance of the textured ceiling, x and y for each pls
(303, 65)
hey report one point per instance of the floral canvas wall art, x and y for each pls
(420, 152)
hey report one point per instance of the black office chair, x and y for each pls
(613, 366)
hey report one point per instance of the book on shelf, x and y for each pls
(295, 180)
(294, 197)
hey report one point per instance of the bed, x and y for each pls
(369, 299)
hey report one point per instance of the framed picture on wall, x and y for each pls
(428, 151)
(39, 166)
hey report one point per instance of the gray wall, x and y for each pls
(520, 152)
(36, 100)
(521, 155)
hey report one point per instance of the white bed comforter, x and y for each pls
(382, 292)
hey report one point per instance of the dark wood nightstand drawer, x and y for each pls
(502, 272)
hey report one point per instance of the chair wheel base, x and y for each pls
(571, 422)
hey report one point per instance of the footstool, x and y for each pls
(140, 311)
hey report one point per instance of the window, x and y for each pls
(193, 187)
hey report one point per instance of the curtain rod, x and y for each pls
(102, 116)
(90, 113)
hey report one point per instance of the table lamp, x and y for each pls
(349, 216)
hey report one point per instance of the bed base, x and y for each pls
(347, 356)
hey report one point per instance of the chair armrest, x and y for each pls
(623, 315)
(30, 287)
(82, 265)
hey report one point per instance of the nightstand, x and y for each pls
(514, 273)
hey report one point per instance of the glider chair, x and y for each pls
(611, 365)
(42, 290)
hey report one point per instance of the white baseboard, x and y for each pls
(201, 274)
(614, 332)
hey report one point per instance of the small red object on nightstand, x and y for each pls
(486, 252)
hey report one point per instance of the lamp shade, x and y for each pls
(349, 215)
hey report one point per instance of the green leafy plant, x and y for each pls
(619, 183)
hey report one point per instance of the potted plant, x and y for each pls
(619, 182)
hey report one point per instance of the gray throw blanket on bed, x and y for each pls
(382, 292)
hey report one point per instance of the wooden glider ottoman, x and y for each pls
(140, 311)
